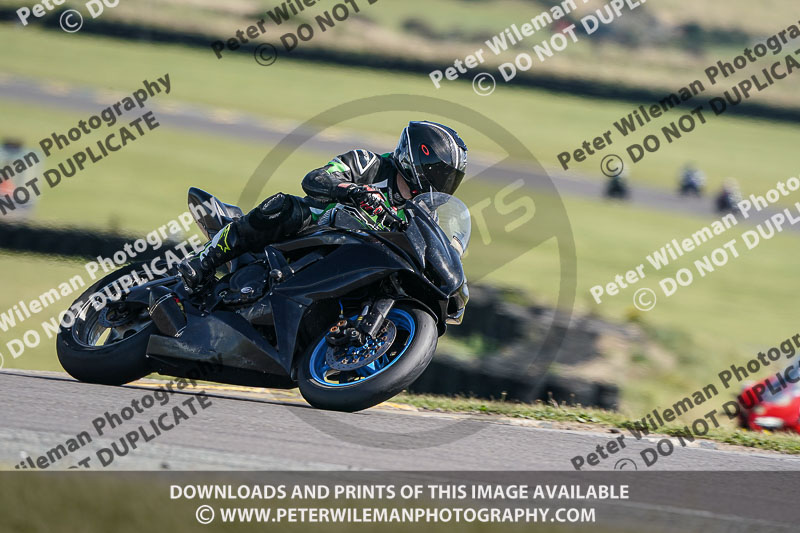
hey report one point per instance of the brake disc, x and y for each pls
(113, 317)
(355, 357)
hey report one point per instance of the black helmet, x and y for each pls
(430, 155)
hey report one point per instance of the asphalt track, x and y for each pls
(257, 429)
(251, 430)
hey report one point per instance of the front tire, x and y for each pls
(112, 357)
(318, 382)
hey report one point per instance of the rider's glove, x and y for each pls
(367, 198)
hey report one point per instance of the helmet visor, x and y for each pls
(439, 176)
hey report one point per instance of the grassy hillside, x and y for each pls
(673, 41)
(546, 123)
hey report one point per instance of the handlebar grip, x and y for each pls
(395, 217)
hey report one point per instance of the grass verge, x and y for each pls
(598, 419)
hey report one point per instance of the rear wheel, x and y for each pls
(106, 344)
(326, 384)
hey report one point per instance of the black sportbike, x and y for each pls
(349, 310)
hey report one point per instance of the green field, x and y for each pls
(672, 42)
(546, 123)
(726, 317)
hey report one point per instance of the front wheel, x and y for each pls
(411, 349)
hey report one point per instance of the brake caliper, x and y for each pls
(345, 355)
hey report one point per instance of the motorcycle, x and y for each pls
(727, 201)
(691, 185)
(349, 310)
(617, 187)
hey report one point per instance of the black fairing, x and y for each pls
(222, 336)
(442, 263)
(310, 277)
(209, 213)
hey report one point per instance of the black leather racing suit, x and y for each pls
(282, 215)
(261, 226)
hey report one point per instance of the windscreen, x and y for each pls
(451, 215)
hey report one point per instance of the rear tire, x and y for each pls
(111, 364)
(390, 381)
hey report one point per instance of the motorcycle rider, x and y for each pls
(617, 186)
(692, 181)
(428, 157)
(728, 199)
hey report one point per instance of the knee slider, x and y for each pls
(278, 217)
(276, 208)
(269, 213)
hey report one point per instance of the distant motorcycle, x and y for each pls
(349, 311)
(690, 187)
(617, 188)
(728, 201)
(692, 183)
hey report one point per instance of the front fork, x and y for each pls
(366, 326)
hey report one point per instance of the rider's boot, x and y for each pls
(276, 218)
(199, 269)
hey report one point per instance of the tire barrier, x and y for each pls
(507, 333)
(449, 376)
(68, 242)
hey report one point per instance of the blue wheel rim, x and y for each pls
(320, 369)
